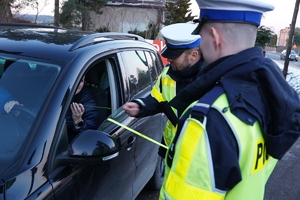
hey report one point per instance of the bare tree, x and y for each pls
(289, 47)
(5, 11)
(7, 7)
(38, 7)
(56, 13)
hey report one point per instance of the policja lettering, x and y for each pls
(261, 158)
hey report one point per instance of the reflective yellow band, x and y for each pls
(157, 95)
(188, 148)
(183, 191)
(177, 186)
(169, 132)
(168, 82)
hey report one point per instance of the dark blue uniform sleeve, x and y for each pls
(149, 106)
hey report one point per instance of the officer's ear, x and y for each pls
(195, 55)
(215, 34)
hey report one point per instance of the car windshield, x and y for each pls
(28, 82)
(293, 52)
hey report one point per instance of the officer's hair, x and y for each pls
(237, 33)
(197, 48)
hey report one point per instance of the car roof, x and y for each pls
(50, 42)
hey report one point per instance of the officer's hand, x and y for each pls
(131, 108)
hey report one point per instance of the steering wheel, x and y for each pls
(24, 109)
(23, 120)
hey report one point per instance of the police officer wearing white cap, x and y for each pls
(183, 53)
(240, 117)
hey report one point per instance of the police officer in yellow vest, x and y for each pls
(244, 116)
(182, 51)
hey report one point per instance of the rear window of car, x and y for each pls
(293, 52)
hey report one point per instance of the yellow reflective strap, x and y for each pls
(169, 132)
(157, 95)
(168, 82)
(138, 133)
(188, 148)
(183, 191)
(177, 187)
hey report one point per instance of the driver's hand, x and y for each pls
(9, 105)
(77, 111)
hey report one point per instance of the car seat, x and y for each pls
(94, 78)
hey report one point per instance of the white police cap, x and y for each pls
(178, 39)
(245, 11)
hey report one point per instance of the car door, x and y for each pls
(109, 179)
(142, 72)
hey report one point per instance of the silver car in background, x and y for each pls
(293, 55)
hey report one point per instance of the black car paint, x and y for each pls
(45, 170)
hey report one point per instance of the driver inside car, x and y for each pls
(83, 111)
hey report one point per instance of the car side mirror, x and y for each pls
(94, 144)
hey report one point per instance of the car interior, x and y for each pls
(98, 83)
(28, 83)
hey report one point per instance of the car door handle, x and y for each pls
(130, 142)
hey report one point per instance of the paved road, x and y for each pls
(284, 181)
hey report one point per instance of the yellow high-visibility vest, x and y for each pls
(191, 176)
(165, 90)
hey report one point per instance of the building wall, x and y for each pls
(284, 35)
(120, 18)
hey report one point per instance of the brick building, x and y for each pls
(283, 36)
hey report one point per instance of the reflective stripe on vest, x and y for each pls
(255, 171)
(165, 90)
(191, 175)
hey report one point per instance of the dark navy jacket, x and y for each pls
(256, 90)
(265, 95)
(90, 115)
(183, 78)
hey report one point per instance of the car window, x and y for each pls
(137, 66)
(143, 68)
(29, 83)
(152, 64)
(98, 81)
(158, 65)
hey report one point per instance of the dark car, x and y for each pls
(41, 67)
(293, 55)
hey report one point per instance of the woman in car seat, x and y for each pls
(83, 113)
